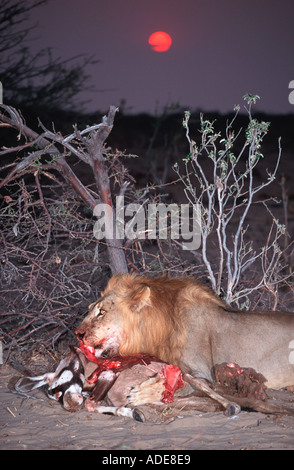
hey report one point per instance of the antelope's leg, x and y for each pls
(91, 406)
(105, 382)
(231, 408)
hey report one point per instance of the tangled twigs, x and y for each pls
(222, 182)
(88, 146)
(15, 121)
(46, 260)
(52, 267)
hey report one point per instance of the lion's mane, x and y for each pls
(155, 312)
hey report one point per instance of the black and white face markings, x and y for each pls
(68, 378)
(64, 385)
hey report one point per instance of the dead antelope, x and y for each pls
(120, 384)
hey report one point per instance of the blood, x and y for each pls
(119, 363)
(172, 374)
(89, 352)
(242, 381)
(173, 381)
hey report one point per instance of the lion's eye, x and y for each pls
(100, 312)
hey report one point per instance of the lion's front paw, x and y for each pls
(149, 391)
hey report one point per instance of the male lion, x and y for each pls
(183, 323)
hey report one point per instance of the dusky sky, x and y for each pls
(220, 51)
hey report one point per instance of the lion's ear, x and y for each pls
(90, 306)
(140, 299)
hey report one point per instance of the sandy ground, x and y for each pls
(27, 424)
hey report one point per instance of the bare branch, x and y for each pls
(88, 147)
(225, 191)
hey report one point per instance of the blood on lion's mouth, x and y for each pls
(94, 352)
(90, 351)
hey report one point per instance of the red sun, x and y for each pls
(160, 41)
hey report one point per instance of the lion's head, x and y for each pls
(107, 325)
(135, 315)
(140, 314)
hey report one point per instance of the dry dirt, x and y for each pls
(27, 424)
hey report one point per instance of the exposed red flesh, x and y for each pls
(172, 374)
(173, 381)
(242, 381)
(119, 363)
